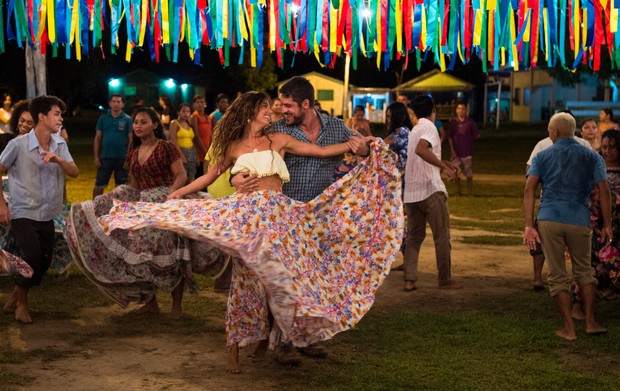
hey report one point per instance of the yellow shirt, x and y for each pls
(185, 137)
(221, 187)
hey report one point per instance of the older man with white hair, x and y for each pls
(567, 172)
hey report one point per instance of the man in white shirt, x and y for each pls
(426, 197)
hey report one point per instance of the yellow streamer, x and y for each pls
(128, 51)
(576, 30)
(42, 18)
(74, 20)
(546, 32)
(513, 39)
(526, 34)
(143, 15)
(316, 53)
(584, 28)
(613, 20)
(442, 59)
(165, 25)
(399, 22)
(272, 27)
(379, 40)
(225, 19)
(478, 28)
(491, 5)
(490, 35)
(333, 28)
(604, 3)
(243, 26)
(51, 21)
(459, 48)
(502, 52)
(253, 57)
(423, 32)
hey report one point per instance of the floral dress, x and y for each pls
(606, 258)
(132, 267)
(316, 266)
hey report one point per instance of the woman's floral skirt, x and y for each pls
(316, 265)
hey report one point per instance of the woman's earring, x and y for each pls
(249, 120)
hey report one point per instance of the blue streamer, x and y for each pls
(417, 24)
(591, 15)
(578, 58)
(562, 31)
(319, 23)
(519, 37)
(60, 9)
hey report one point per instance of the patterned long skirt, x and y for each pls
(316, 266)
(133, 266)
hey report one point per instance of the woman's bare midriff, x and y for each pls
(272, 182)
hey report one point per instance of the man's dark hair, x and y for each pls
(609, 112)
(221, 96)
(422, 106)
(43, 104)
(116, 96)
(299, 89)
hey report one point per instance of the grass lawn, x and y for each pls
(502, 342)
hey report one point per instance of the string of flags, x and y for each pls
(516, 34)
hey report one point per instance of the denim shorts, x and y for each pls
(105, 172)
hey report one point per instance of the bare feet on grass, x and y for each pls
(595, 329)
(22, 315)
(566, 334)
(232, 360)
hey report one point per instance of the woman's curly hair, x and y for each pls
(231, 126)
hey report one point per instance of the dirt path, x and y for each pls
(172, 361)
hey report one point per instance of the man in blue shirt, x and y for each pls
(567, 172)
(112, 137)
(37, 163)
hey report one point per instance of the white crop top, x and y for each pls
(262, 164)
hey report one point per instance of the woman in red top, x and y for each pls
(132, 267)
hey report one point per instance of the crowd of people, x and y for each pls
(285, 206)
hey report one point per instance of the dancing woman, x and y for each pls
(133, 267)
(316, 266)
